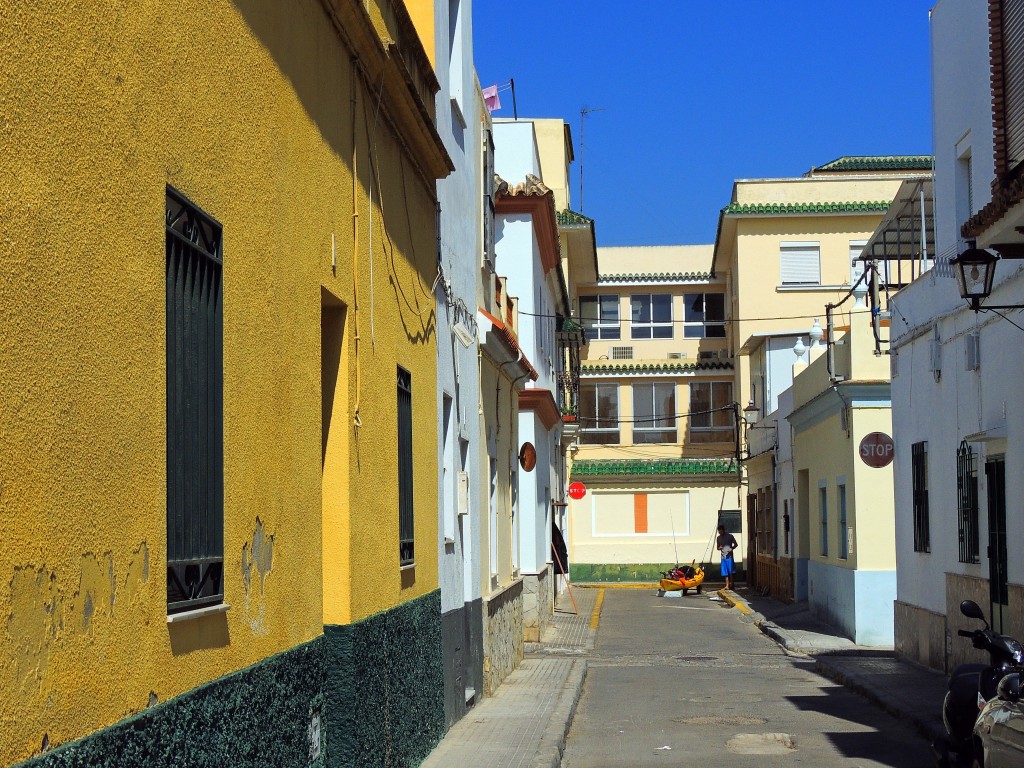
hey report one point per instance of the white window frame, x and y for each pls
(856, 267)
(650, 325)
(800, 263)
(591, 424)
(607, 328)
(659, 422)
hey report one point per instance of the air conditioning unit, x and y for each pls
(622, 353)
(707, 355)
(676, 355)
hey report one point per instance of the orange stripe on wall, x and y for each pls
(640, 512)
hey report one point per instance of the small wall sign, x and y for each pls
(577, 490)
(877, 450)
(527, 457)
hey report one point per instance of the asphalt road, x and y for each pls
(686, 682)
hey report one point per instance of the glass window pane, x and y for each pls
(641, 309)
(661, 308)
(587, 404)
(610, 309)
(665, 404)
(643, 405)
(661, 332)
(694, 304)
(714, 307)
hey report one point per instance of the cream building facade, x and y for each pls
(785, 249)
(657, 444)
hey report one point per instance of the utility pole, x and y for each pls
(584, 111)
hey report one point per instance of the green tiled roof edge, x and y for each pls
(770, 209)
(597, 467)
(654, 367)
(654, 277)
(879, 163)
(570, 218)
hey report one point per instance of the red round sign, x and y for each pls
(877, 449)
(577, 490)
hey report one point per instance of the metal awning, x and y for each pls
(904, 242)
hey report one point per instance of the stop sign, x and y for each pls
(877, 449)
(577, 490)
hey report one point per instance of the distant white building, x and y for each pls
(527, 250)
(955, 373)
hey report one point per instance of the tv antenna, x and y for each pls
(584, 111)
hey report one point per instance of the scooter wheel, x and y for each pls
(686, 591)
(699, 590)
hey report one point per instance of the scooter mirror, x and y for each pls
(971, 610)
(1009, 687)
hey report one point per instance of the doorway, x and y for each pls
(995, 481)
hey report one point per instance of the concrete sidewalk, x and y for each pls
(524, 724)
(906, 690)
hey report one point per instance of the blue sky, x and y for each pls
(697, 93)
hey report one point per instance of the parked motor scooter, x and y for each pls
(971, 685)
(1000, 726)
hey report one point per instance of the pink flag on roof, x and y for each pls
(491, 98)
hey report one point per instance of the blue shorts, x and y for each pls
(728, 566)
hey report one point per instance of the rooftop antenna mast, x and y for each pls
(584, 111)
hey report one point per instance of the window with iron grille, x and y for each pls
(967, 503)
(844, 540)
(823, 509)
(919, 482)
(195, 406)
(406, 550)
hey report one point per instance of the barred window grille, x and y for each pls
(406, 550)
(967, 504)
(195, 407)
(919, 473)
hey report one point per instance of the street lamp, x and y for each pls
(750, 413)
(975, 271)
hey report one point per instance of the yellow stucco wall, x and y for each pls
(246, 108)
(827, 452)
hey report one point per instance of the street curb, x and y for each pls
(552, 743)
(926, 728)
(738, 603)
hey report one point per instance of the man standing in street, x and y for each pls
(726, 545)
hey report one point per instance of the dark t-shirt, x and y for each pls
(727, 540)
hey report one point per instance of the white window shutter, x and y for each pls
(800, 263)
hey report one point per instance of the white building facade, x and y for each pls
(460, 219)
(527, 250)
(956, 423)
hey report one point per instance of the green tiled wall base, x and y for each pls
(630, 572)
(385, 687)
(261, 716)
